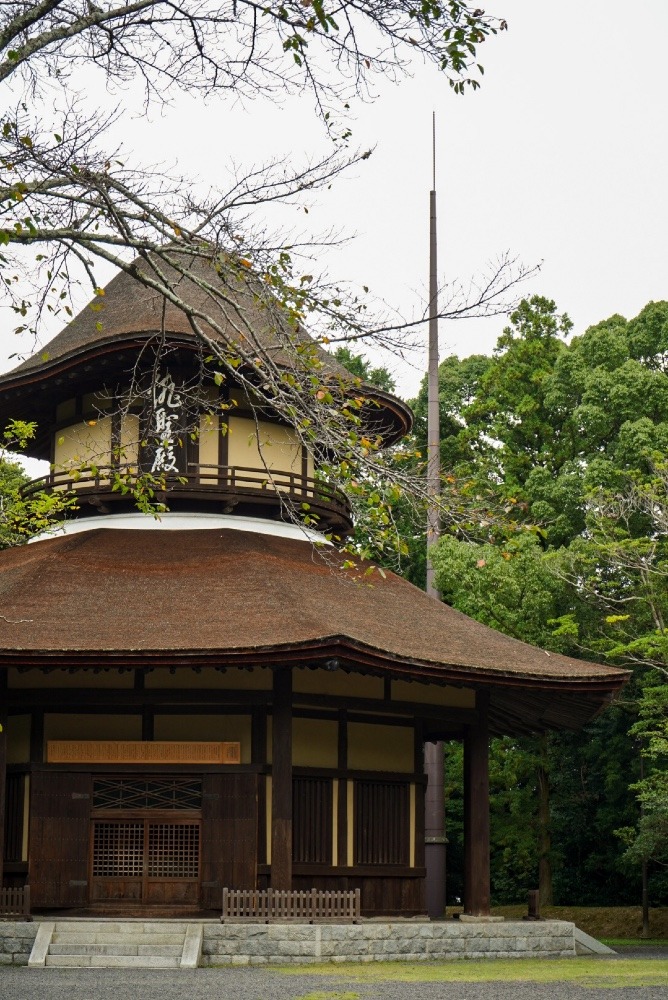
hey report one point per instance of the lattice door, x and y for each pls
(173, 850)
(146, 861)
(118, 850)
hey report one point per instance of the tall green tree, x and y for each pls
(569, 433)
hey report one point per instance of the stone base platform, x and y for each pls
(368, 941)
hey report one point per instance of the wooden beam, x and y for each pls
(183, 699)
(476, 813)
(281, 786)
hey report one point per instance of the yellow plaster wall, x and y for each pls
(130, 435)
(336, 682)
(197, 728)
(314, 743)
(26, 817)
(263, 446)
(209, 438)
(335, 822)
(64, 679)
(234, 678)
(83, 444)
(411, 821)
(433, 694)
(380, 748)
(350, 839)
(18, 739)
(92, 727)
(268, 790)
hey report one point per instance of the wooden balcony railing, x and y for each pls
(233, 488)
(15, 903)
(284, 905)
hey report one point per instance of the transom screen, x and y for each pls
(147, 793)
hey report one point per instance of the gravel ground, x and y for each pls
(256, 984)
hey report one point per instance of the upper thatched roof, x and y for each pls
(132, 313)
(113, 596)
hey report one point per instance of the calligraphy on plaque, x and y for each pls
(141, 752)
(164, 424)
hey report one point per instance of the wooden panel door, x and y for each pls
(60, 805)
(229, 835)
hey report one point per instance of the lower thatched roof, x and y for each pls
(230, 597)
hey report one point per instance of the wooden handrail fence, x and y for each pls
(113, 482)
(283, 905)
(15, 903)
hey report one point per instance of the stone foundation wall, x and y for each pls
(258, 944)
(16, 941)
(408, 941)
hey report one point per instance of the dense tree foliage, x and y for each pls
(571, 437)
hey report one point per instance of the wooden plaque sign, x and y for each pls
(141, 752)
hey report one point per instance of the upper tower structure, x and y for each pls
(136, 384)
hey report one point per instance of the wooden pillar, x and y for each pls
(3, 769)
(434, 830)
(259, 756)
(476, 812)
(342, 805)
(281, 786)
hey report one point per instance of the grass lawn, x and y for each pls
(589, 972)
(602, 922)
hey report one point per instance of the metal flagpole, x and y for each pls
(435, 839)
(433, 429)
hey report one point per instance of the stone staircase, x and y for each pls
(117, 944)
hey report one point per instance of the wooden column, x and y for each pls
(281, 786)
(3, 769)
(434, 830)
(342, 806)
(476, 813)
(259, 756)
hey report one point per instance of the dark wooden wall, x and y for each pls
(229, 835)
(60, 805)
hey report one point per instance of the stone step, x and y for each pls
(112, 962)
(74, 937)
(118, 944)
(160, 950)
(122, 926)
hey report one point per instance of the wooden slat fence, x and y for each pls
(15, 902)
(268, 905)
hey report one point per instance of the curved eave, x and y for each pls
(354, 656)
(18, 387)
(516, 706)
(100, 599)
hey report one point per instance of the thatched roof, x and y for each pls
(230, 597)
(130, 314)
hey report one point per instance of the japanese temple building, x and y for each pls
(207, 700)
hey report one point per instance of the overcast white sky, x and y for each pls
(560, 157)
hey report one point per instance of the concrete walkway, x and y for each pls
(259, 984)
